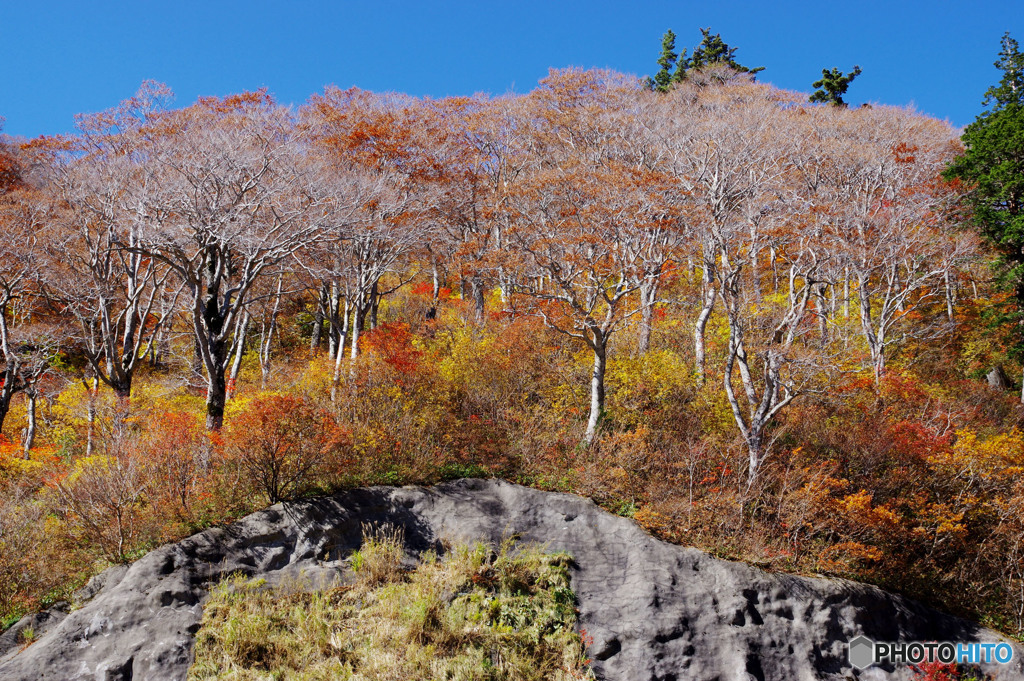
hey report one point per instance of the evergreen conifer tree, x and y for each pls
(713, 50)
(993, 166)
(833, 85)
(663, 79)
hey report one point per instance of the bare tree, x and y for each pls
(27, 339)
(370, 209)
(583, 223)
(876, 175)
(716, 141)
(232, 200)
(96, 268)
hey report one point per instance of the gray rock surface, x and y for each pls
(655, 611)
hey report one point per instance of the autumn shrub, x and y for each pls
(618, 468)
(650, 389)
(396, 410)
(178, 450)
(940, 671)
(22, 536)
(283, 446)
(103, 500)
(38, 562)
(977, 500)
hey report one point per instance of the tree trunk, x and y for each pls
(197, 364)
(846, 293)
(334, 303)
(504, 286)
(319, 315)
(6, 394)
(478, 297)
(8, 370)
(822, 310)
(374, 305)
(699, 329)
(774, 263)
(596, 388)
(755, 453)
(90, 433)
(648, 296)
(998, 379)
(876, 342)
(358, 319)
(158, 347)
(238, 352)
(338, 357)
(267, 329)
(950, 295)
(122, 410)
(30, 431)
(216, 395)
(215, 351)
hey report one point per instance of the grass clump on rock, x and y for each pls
(473, 614)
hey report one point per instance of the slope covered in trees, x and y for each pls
(748, 322)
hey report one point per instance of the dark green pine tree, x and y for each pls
(663, 79)
(993, 167)
(833, 85)
(680, 75)
(714, 50)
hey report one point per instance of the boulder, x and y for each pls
(655, 611)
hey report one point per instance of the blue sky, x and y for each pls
(60, 58)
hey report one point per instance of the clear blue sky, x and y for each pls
(59, 58)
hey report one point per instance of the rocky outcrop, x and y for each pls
(654, 610)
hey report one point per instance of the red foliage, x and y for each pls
(176, 444)
(393, 343)
(936, 671)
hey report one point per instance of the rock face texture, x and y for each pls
(655, 611)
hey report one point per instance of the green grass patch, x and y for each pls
(474, 614)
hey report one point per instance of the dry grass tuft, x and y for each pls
(474, 615)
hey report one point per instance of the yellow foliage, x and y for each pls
(469, 352)
(653, 376)
(240, 402)
(859, 506)
(87, 465)
(998, 457)
(845, 557)
(316, 376)
(70, 412)
(941, 520)
(151, 396)
(656, 523)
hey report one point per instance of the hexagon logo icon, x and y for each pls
(861, 653)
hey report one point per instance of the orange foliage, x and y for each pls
(393, 344)
(284, 446)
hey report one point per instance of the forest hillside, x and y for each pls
(756, 326)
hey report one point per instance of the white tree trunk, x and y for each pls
(596, 390)
(30, 431)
